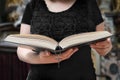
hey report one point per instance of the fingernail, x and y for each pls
(97, 44)
(47, 54)
(76, 49)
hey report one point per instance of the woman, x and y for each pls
(58, 19)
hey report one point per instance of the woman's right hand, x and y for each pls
(46, 57)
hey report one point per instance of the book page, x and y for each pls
(82, 38)
(33, 40)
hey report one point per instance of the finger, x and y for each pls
(64, 54)
(92, 45)
(104, 47)
(100, 47)
(75, 50)
(45, 53)
(107, 41)
(103, 51)
(69, 54)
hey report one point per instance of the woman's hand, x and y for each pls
(102, 47)
(46, 57)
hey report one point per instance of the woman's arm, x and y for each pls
(26, 54)
(102, 47)
(22, 51)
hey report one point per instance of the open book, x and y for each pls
(44, 42)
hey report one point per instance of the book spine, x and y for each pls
(58, 48)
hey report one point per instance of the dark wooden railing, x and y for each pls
(11, 68)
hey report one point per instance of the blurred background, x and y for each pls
(11, 12)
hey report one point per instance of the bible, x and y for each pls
(45, 42)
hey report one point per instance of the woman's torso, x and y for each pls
(62, 24)
(59, 25)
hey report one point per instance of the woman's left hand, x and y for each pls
(102, 47)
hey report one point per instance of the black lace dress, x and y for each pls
(83, 16)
